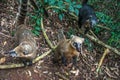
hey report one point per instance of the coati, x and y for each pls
(68, 50)
(86, 17)
(27, 48)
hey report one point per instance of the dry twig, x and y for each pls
(102, 58)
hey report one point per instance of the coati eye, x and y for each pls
(75, 44)
(25, 53)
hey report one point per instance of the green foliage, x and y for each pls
(37, 26)
(111, 23)
(36, 18)
(62, 4)
(69, 5)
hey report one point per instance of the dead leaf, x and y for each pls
(2, 60)
(5, 42)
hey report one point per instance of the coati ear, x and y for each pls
(82, 39)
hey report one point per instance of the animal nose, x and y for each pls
(12, 53)
(78, 48)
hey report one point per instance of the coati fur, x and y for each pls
(87, 17)
(27, 48)
(68, 50)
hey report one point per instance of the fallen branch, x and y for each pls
(22, 65)
(102, 58)
(45, 35)
(100, 43)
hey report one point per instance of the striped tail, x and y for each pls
(22, 11)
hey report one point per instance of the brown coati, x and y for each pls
(68, 50)
(27, 48)
(87, 17)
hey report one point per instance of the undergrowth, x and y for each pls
(106, 11)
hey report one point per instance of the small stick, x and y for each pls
(93, 34)
(62, 76)
(104, 27)
(102, 58)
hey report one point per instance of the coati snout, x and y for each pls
(87, 16)
(21, 50)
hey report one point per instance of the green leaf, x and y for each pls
(71, 8)
(76, 11)
(36, 32)
(78, 6)
(37, 28)
(61, 16)
(38, 21)
(68, 1)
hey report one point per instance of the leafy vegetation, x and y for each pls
(106, 11)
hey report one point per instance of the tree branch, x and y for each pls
(45, 35)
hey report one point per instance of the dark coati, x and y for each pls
(68, 50)
(86, 17)
(27, 48)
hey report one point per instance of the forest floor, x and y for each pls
(44, 69)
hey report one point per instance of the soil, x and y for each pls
(44, 69)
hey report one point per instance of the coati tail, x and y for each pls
(22, 12)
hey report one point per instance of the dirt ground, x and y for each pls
(45, 69)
